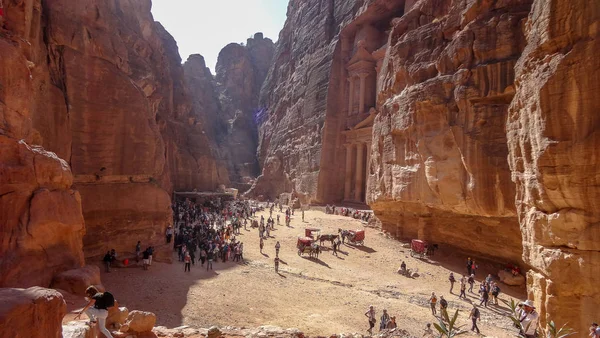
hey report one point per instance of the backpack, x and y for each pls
(108, 299)
(433, 299)
(475, 313)
(444, 303)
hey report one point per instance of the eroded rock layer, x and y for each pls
(553, 136)
(229, 101)
(104, 88)
(294, 98)
(439, 168)
(41, 223)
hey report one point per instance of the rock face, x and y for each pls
(106, 92)
(438, 169)
(40, 213)
(294, 98)
(229, 101)
(31, 313)
(553, 135)
(76, 281)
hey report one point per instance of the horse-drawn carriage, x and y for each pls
(313, 233)
(418, 248)
(356, 237)
(307, 245)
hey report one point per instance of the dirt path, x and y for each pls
(320, 296)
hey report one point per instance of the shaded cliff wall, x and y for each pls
(294, 98)
(439, 168)
(240, 73)
(553, 135)
(226, 105)
(109, 97)
(41, 222)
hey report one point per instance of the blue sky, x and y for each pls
(206, 26)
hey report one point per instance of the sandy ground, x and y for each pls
(319, 296)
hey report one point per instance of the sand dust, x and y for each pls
(319, 296)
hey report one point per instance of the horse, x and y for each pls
(323, 238)
(315, 250)
(431, 249)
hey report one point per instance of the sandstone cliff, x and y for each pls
(294, 98)
(553, 136)
(40, 214)
(439, 168)
(227, 103)
(103, 86)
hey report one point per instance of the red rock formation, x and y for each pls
(438, 169)
(31, 313)
(553, 135)
(226, 103)
(122, 116)
(40, 215)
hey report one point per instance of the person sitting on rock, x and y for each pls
(97, 308)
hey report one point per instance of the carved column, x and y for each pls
(368, 168)
(361, 104)
(348, 178)
(359, 181)
(350, 94)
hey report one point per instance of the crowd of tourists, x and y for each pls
(207, 233)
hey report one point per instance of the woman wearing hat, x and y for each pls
(529, 319)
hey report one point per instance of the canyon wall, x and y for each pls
(553, 135)
(228, 101)
(101, 85)
(294, 98)
(439, 168)
(41, 222)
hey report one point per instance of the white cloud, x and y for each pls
(206, 26)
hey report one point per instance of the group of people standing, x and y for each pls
(209, 231)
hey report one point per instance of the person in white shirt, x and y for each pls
(529, 319)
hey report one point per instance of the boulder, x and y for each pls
(76, 281)
(31, 313)
(117, 316)
(508, 278)
(79, 329)
(140, 321)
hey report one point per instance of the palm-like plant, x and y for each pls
(450, 330)
(549, 332)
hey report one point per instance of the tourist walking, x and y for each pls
(302, 215)
(187, 260)
(484, 294)
(529, 319)
(371, 316)
(277, 246)
(433, 303)
(97, 308)
(107, 259)
(594, 331)
(202, 257)
(384, 320)
(471, 281)
(474, 315)
(443, 307)
(277, 264)
(463, 287)
(392, 323)
(469, 265)
(495, 293)
(169, 233)
(335, 245)
(145, 259)
(452, 281)
(262, 244)
(138, 251)
(428, 333)
(209, 259)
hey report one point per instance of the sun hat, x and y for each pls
(528, 303)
